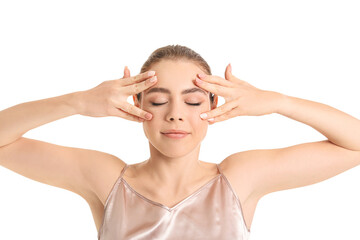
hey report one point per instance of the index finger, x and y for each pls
(137, 78)
(215, 79)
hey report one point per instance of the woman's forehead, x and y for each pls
(176, 76)
(176, 80)
(181, 68)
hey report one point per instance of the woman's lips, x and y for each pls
(175, 135)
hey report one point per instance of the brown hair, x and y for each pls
(176, 52)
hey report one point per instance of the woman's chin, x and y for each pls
(173, 148)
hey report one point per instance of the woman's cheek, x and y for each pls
(198, 120)
(203, 110)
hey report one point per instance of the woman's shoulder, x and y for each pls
(103, 173)
(239, 171)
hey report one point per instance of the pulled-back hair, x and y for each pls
(176, 52)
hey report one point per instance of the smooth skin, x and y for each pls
(174, 165)
(294, 166)
(264, 170)
(74, 169)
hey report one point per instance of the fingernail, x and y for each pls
(230, 67)
(201, 75)
(148, 116)
(211, 119)
(153, 79)
(151, 73)
(203, 115)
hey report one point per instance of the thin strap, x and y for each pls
(123, 170)
(218, 167)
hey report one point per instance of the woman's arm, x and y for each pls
(15, 121)
(107, 99)
(307, 163)
(74, 169)
(340, 128)
(270, 170)
(52, 164)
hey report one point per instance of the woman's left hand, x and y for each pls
(241, 98)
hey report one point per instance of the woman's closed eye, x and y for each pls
(192, 104)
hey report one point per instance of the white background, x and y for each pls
(306, 49)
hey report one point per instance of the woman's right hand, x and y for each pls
(110, 97)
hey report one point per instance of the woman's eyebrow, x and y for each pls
(165, 90)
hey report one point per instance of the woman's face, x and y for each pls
(179, 109)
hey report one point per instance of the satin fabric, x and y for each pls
(211, 212)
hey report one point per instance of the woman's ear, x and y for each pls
(136, 102)
(214, 105)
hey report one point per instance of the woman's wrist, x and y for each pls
(73, 100)
(281, 102)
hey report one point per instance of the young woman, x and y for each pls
(174, 195)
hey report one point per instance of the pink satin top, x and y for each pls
(211, 212)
